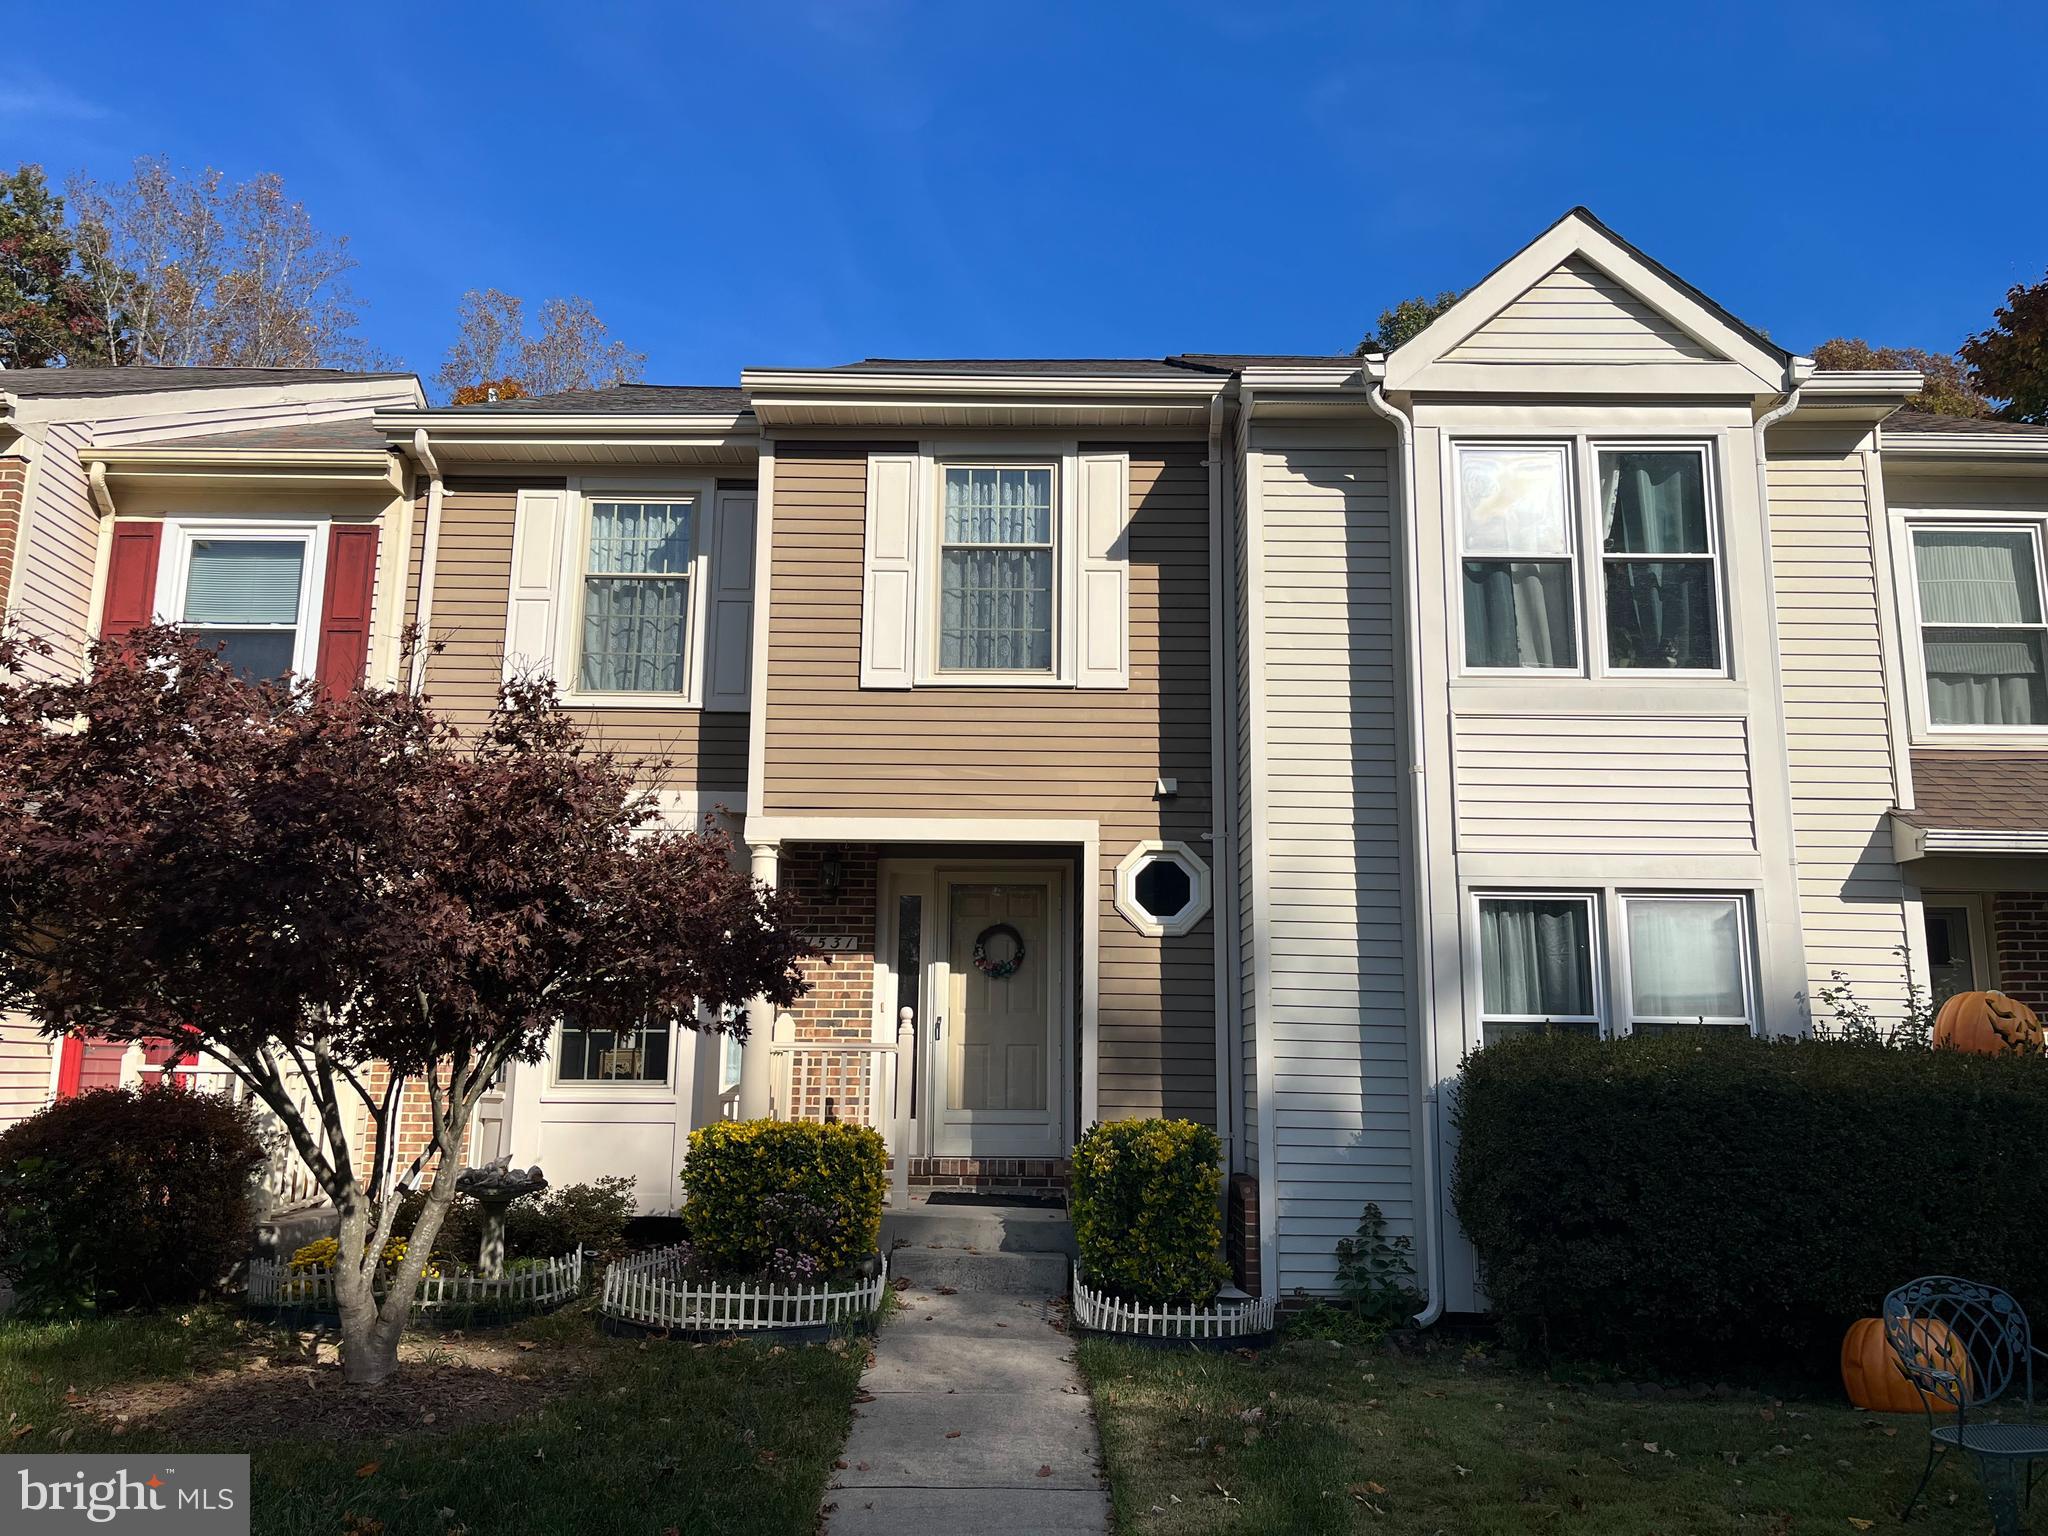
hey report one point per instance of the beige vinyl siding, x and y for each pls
(1560, 785)
(1342, 1037)
(1247, 862)
(838, 750)
(24, 1068)
(1837, 723)
(1578, 314)
(60, 539)
(693, 750)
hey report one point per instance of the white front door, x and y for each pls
(1000, 982)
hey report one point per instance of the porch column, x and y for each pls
(757, 1075)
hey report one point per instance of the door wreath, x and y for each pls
(987, 964)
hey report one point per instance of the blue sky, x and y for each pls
(812, 181)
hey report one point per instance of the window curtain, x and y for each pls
(1685, 959)
(1969, 579)
(995, 602)
(1518, 613)
(1536, 957)
(636, 600)
(1660, 613)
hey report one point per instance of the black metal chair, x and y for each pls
(1965, 1346)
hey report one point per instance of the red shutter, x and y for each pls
(345, 607)
(70, 1066)
(131, 578)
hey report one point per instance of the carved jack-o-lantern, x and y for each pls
(1871, 1374)
(1989, 1024)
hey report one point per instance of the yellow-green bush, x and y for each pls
(323, 1251)
(753, 1186)
(1146, 1204)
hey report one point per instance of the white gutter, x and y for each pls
(429, 558)
(1433, 1257)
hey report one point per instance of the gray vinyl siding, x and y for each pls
(1559, 785)
(1838, 729)
(1578, 314)
(1339, 1019)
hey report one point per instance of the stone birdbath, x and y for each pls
(494, 1187)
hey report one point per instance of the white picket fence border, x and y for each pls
(273, 1284)
(1219, 1320)
(649, 1289)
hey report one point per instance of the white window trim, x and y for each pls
(1709, 482)
(1589, 558)
(1599, 1018)
(626, 1087)
(1745, 948)
(1563, 448)
(568, 669)
(1920, 694)
(174, 562)
(1063, 459)
(1199, 884)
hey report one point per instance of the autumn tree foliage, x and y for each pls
(1949, 390)
(49, 311)
(1407, 320)
(302, 883)
(2010, 358)
(495, 350)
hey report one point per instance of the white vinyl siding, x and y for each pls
(24, 1068)
(1838, 726)
(1330, 684)
(1534, 784)
(1578, 314)
(1248, 852)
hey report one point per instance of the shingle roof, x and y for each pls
(95, 383)
(1231, 362)
(1971, 791)
(625, 400)
(1927, 421)
(1106, 367)
(354, 434)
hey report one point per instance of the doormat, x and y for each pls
(1050, 1200)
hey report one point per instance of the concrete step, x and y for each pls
(1010, 1274)
(984, 1228)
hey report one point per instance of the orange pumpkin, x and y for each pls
(1871, 1374)
(1989, 1024)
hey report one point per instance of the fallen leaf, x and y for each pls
(16, 1434)
(1650, 1446)
(368, 1469)
(528, 1344)
(1045, 1470)
(952, 1434)
(1861, 1525)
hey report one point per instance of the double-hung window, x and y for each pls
(1657, 555)
(1515, 539)
(996, 569)
(1536, 965)
(637, 570)
(249, 590)
(1688, 962)
(1983, 635)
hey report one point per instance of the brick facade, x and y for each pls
(841, 1002)
(13, 486)
(1241, 1231)
(2019, 931)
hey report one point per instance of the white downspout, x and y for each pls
(1223, 849)
(1418, 838)
(429, 557)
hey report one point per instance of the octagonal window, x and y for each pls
(1163, 888)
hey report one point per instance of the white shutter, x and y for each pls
(888, 608)
(539, 524)
(729, 661)
(1103, 604)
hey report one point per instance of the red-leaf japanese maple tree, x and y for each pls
(304, 883)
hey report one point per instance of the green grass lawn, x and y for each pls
(1308, 1438)
(583, 1433)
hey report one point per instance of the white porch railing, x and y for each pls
(857, 1082)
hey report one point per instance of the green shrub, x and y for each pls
(1376, 1273)
(1145, 1202)
(1715, 1204)
(755, 1186)
(543, 1226)
(123, 1198)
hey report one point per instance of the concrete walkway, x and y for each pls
(972, 1418)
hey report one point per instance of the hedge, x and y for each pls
(126, 1197)
(1715, 1204)
(1144, 1198)
(753, 1186)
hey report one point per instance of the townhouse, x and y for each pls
(1245, 738)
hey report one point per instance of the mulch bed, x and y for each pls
(265, 1400)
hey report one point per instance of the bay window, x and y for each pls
(1983, 633)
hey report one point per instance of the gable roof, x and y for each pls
(1684, 339)
(99, 383)
(616, 400)
(1989, 426)
(355, 434)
